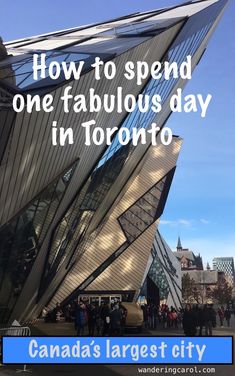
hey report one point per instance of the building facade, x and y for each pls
(71, 218)
(187, 258)
(205, 281)
(226, 265)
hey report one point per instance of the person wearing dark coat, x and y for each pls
(227, 315)
(105, 317)
(115, 320)
(189, 321)
(221, 316)
(145, 315)
(201, 322)
(92, 317)
(209, 318)
(196, 311)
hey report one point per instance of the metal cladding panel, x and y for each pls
(33, 162)
(159, 161)
(84, 30)
(185, 10)
(50, 40)
(7, 118)
(126, 272)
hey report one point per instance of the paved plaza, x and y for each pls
(67, 329)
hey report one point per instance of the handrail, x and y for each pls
(15, 331)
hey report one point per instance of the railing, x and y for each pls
(22, 331)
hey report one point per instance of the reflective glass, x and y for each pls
(21, 73)
(141, 214)
(21, 239)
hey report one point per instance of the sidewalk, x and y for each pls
(67, 329)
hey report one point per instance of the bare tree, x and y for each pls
(222, 293)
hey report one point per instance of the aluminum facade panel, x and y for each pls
(48, 162)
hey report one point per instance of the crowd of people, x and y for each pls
(110, 319)
(92, 319)
(163, 316)
(194, 320)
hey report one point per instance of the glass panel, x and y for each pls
(141, 214)
(162, 87)
(157, 274)
(133, 28)
(20, 242)
(21, 73)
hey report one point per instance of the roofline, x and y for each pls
(83, 27)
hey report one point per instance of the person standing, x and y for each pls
(189, 321)
(150, 316)
(105, 317)
(155, 315)
(221, 316)
(227, 315)
(67, 313)
(99, 322)
(92, 317)
(174, 318)
(123, 319)
(145, 314)
(201, 322)
(115, 320)
(209, 318)
(80, 319)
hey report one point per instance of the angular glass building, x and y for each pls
(82, 219)
(163, 281)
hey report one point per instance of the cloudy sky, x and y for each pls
(201, 202)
